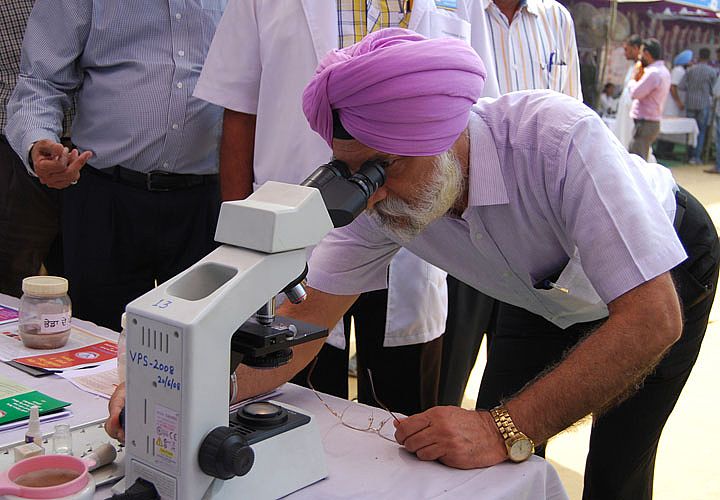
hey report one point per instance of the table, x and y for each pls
(675, 129)
(680, 130)
(360, 464)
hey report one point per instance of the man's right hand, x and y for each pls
(639, 71)
(55, 165)
(115, 406)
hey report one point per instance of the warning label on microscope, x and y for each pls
(165, 444)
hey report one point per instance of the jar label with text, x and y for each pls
(54, 323)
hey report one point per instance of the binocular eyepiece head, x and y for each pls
(346, 194)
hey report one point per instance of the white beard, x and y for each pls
(404, 220)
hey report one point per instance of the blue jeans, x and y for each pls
(702, 117)
(717, 141)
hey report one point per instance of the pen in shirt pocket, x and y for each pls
(549, 283)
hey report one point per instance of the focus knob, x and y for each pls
(224, 454)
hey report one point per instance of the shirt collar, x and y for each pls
(530, 5)
(486, 185)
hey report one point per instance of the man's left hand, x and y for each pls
(464, 439)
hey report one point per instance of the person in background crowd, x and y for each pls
(532, 47)
(698, 85)
(146, 205)
(608, 101)
(623, 123)
(716, 94)
(675, 105)
(649, 89)
(29, 211)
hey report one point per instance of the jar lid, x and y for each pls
(45, 286)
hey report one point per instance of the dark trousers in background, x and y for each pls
(29, 224)
(119, 239)
(644, 134)
(623, 442)
(469, 313)
(405, 377)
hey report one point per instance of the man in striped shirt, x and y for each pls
(534, 46)
(698, 85)
(145, 206)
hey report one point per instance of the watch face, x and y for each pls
(521, 450)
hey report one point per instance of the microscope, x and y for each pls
(185, 338)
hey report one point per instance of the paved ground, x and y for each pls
(689, 453)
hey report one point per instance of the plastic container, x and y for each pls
(45, 312)
(60, 477)
(122, 350)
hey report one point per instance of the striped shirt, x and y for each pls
(134, 65)
(698, 82)
(536, 49)
(13, 19)
(357, 18)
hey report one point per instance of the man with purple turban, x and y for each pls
(529, 199)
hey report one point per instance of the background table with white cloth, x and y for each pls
(679, 130)
(360, 464)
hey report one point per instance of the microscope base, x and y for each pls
(284, 463)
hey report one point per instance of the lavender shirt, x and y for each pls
(650, 92)
(551, 191)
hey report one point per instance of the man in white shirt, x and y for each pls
(261, 58)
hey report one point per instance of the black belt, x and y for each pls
(155, 180)
(680, 207)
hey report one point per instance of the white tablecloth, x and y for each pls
(360, 464)
(672, 128)
(680, 130)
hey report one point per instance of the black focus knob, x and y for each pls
(225, 454)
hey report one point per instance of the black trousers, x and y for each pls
(120, 240)
(405, 377)
(469, 315)
(29, 224)
(623, 442)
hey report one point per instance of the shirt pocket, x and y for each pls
(444, 24)
(573, 294)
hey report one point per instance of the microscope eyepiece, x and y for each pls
(370, 176)
(346, 194)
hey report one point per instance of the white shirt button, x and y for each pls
(179, 85)
(181, 53)
(166, 165)
(175, 126)
(178, 16)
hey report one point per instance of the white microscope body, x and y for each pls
(178, 350)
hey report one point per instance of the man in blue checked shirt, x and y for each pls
(140, 191)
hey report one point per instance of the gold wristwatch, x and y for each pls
(518, 445)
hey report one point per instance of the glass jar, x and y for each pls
(45, 312)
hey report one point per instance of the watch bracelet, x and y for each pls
(504, 422)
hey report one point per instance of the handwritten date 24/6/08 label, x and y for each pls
(166, 371)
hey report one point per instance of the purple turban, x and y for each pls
(397, 92)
